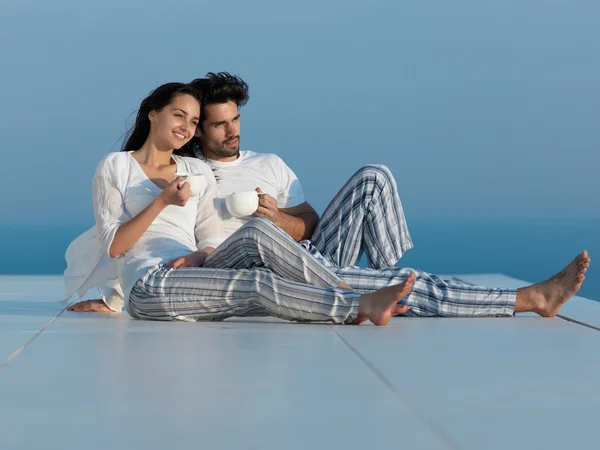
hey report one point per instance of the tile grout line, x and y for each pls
(577, 322)
(12, 357)
(435, 427)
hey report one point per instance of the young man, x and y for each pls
(365, 216)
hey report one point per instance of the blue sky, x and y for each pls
(484, 110)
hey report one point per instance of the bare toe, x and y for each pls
(380, 306)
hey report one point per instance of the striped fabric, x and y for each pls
(260, 243)
(433, 296)
(260, 271)
(257, 271)
(365, 216)
(193, 294)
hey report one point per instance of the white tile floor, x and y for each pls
(79, 381)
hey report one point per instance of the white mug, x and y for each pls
(242, 204)
(193, 179)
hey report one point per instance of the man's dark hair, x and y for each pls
(220, 87)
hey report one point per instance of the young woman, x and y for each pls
(159, 234)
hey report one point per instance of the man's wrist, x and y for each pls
(279, 218)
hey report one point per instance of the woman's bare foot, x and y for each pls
(90, 306)
(547, 297)
(381, 305)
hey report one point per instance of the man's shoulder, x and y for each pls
(250, 157)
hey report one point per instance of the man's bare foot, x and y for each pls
(90, 306)
(381, 305)
(547, 297)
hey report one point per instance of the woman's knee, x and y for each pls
(145, 304)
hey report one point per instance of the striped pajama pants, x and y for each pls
(366, 216)
(260, 271)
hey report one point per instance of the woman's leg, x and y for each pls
(193, 294)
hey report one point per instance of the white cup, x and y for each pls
(242, 204)
(193, 179)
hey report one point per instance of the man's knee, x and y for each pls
(379, 172)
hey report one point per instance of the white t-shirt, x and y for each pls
(251, 170)
(121, 190)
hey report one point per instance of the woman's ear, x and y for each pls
(198, 131)
(151, 116)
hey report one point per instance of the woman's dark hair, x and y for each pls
(156, 100)
(220, 87)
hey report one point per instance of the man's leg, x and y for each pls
(434, 296)
(260, 244)
(366, 215)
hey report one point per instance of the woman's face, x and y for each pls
(174, 125)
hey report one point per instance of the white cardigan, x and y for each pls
(121, 190)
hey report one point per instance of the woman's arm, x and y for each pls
(209, 231)
(131, 231)
(116, 233)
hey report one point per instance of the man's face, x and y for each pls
(220, 132)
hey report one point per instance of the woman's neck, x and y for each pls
(150, 155)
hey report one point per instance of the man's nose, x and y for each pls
(232, 130)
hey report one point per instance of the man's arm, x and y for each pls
(298, 221)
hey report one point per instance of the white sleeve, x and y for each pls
(209, 229)
(112, 295)
(108, 203)
(88, 262)
(290, 190)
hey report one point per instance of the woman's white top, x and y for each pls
(121, 190)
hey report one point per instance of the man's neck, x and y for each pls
(219, 158)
